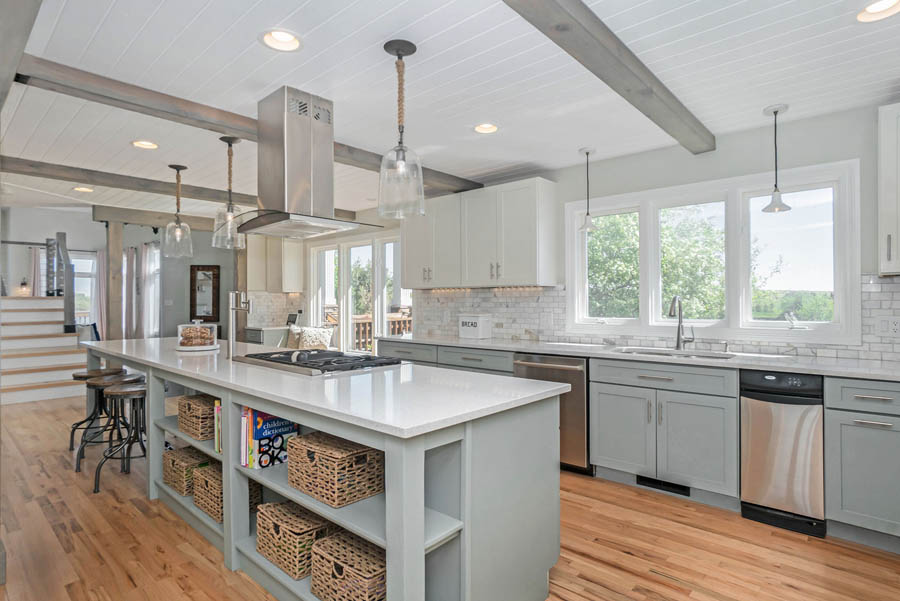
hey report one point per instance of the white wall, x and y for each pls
(838, 136)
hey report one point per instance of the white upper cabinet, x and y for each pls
(430, 245)
(509, 235)
(274, 264)
(889, 189)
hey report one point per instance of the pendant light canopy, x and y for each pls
(401, 191)
(776, 205)
(177, 239)
(225, 232)
(588, 226)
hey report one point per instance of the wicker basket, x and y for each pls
(348, 568)
(285, 533)
(208, 491)
(335, 471)
(178, 468)
(197, 415)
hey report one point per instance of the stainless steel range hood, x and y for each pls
(295, 170)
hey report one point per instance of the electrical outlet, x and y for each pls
(889, 326)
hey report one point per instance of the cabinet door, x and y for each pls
(417, 246)
(517, 242)
(256, 262)
(445, 214)
(697, 440)
(479, 237)
(292, 263)
(623, 429)
(862, 471)
(274, 257)
(889, 189)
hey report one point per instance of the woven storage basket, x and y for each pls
(196, 416)
(208, 491)
(178, 468)
(348, 568)
(285, 533)
(335, 471)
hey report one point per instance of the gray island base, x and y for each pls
(470, 510)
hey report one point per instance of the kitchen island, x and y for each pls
(471, 503)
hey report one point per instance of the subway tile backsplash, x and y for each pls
(539, 314)
(272, 308)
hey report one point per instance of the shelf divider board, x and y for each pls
(364, 518)
(170, 425)
(271, 577)
(193, 515)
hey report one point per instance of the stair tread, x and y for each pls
(40, 351)
(39, 385)
(32, 323)
(33, 370)
(35, 310)
(37, 298)
(31, 336)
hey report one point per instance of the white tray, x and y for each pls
(208, 347)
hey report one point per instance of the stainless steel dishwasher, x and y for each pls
(573, 405)
(782, 453)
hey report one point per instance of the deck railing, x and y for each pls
(363, 329)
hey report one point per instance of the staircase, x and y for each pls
(36, 357)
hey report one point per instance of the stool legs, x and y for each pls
(89, 420)
(134, 433)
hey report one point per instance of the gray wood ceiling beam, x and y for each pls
(16, 20)
(147, 218)
(574, 27)
(47, 75)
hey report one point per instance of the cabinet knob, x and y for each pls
(492, 271)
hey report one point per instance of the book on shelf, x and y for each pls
(264, 438)
(217, 425)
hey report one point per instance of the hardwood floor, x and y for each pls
(618, 543)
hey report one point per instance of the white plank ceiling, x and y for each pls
(477, 61)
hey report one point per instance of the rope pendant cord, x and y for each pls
(178, 196)
(401, 70)
(776, 149)
(230, 159)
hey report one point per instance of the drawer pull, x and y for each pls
(869, 397)
(865, 422)
(399, 352)
(659, 378)
(475, 359)
(548, 365)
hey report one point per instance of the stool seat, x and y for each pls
(127, 391)
(106, 381)
(97, 373)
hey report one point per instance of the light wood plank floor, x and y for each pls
(619, 544)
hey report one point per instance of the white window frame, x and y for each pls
(343, 247)
(846, 328)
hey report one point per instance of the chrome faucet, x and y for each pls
(680, 339)
(237, 301)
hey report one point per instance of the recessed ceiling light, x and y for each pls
(489, 128)
(877, 11)
(145, 144)
(83, 189)
(280, 39)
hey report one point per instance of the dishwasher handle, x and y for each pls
(548, 365)
(782, 399)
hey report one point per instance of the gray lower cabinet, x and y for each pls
(684, 438)
(862, 470)
(623, 428)
(697, 439)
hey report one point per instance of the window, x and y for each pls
(85, 264)
(741, 273)
(357, 283)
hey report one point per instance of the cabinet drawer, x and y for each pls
(253, 336)
(411, 352)
(476, 358)
(862, 395)
(686, 378)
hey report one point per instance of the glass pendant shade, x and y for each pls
(776, 205)
(177, 242)
(225, 230)
(401, 191)
(588, 226)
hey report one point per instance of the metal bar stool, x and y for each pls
(117, 396)
(98, 409)
(114, 420)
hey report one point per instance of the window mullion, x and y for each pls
(737, 259)
(648, 222)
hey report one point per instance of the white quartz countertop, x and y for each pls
(845, 368)
(403, 401)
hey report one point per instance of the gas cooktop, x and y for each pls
(315, 363)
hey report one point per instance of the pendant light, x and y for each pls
(776, 205)
(225, 234)
(177, 240)
(400, 189)
(588, 226)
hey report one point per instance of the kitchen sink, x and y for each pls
(668, 352)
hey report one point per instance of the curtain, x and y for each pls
(98, 308)
(150, 289)
(131, 304)
(36, 271)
